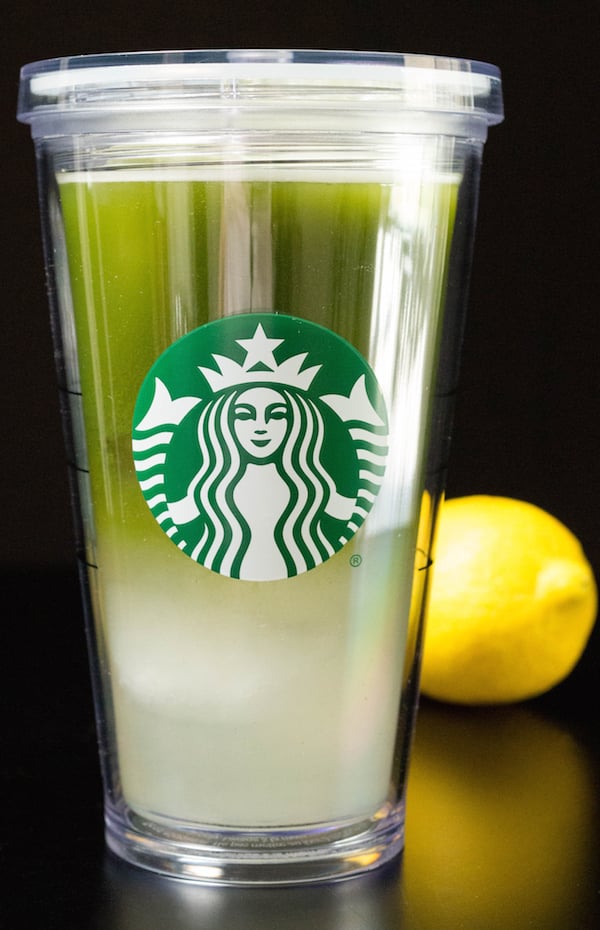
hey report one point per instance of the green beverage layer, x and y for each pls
(251, 703)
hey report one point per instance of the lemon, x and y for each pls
(512, 603)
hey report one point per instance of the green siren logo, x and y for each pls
(260, 443)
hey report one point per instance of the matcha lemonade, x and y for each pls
(238, 701)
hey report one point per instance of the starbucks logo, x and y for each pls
(260, 443)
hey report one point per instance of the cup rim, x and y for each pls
(259, 78)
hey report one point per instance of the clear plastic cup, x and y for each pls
(258, 265)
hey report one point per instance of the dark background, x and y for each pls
(527, 412)
(526, 426)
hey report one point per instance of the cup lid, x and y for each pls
(256, 79)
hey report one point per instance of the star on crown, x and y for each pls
(260, 366)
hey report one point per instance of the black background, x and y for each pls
(527, 415)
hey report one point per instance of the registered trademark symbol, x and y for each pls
(355, 560)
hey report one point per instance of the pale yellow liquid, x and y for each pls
(250, 703)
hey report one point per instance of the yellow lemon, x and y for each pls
(512, 604)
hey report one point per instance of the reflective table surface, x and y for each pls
(502, 810)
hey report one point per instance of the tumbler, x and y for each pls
(257, 265)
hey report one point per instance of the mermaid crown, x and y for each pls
(259, 366)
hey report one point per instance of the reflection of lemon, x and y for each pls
(512, 604)
(501, 815)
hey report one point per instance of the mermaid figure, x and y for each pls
(261, 489)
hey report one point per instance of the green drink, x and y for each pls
(257, 331)
(244, 702)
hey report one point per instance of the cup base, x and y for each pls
(207, 855)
